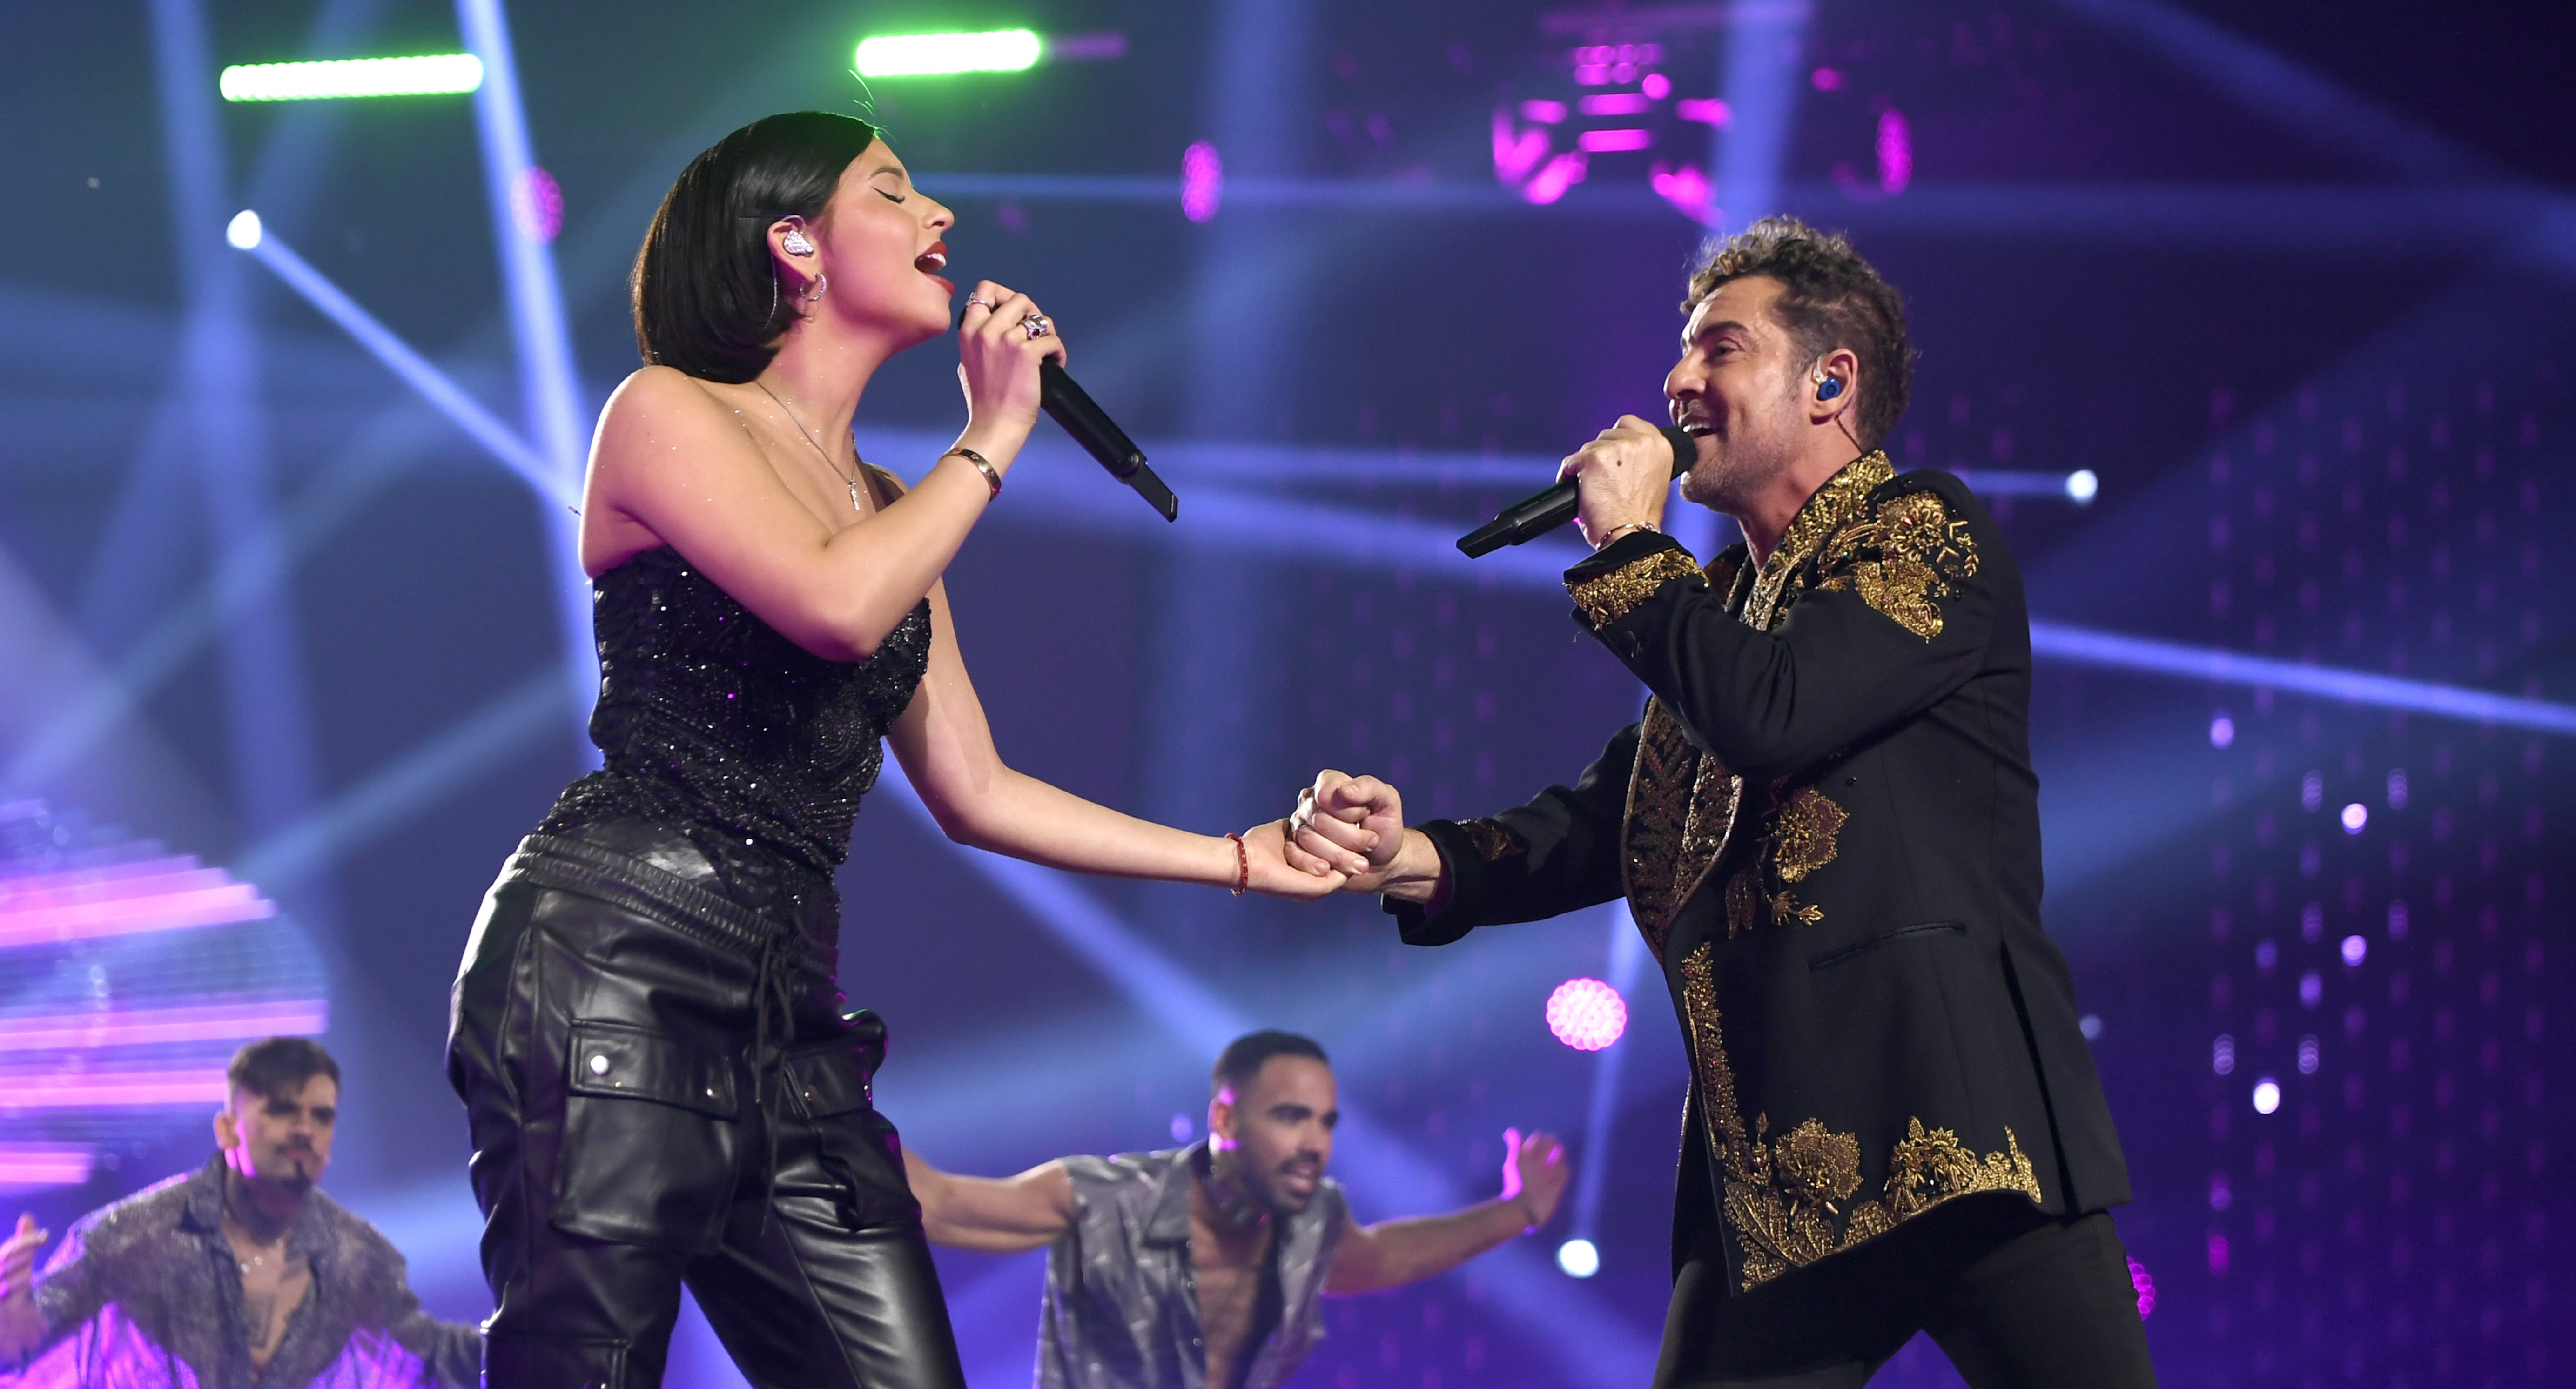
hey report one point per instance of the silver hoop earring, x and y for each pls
(821, 283)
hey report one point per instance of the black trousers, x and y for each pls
(2017, 1299)
(662, 1092)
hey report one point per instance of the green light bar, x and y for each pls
(430, 76)
(915, 55)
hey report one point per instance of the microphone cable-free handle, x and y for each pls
(1540, 512)
(1090, 426)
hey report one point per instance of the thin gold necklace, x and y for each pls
(852, 481)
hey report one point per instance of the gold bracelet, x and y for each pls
(1618, 531)
(992, 475)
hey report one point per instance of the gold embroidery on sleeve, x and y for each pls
(1606, 598)
(1789, 1200)
(1493, 840)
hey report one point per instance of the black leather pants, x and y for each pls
(662, 1092)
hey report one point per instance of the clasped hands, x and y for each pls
(1347, 834)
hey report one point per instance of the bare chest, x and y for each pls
(272, 1288)
(1230, 1269)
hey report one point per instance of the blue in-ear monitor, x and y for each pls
(1829, 388)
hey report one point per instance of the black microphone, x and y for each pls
(1070, 406)
(1540, 512)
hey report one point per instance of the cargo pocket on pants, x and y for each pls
(648, 1139)
(855, 1147)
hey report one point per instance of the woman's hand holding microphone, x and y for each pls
(1001, 338)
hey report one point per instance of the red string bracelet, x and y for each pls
(1242, 865)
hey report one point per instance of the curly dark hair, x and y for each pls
(1830, 298)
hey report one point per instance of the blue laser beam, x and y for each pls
(463, 410)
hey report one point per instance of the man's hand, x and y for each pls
(1535, 1173)
(1355, 826)
(22, 1327)
(1622, 479)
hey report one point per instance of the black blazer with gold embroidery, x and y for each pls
(1827, 828)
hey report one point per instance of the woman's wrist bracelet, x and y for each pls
(992, 475)
(1242, 866)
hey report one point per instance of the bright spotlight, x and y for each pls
(2081, 485)
(2267, 1095)
(1578, 1258)
(436, 75)
(1586, 1014)
(243, 231)
(917, 55)
(2355, 816)
(2355, 950)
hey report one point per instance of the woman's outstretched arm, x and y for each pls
(946, 748)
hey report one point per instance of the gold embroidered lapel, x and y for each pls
(1683, 805)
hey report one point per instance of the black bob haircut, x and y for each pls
(707, 298)
(279, 1067)
(1244, 1057)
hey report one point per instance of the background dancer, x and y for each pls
(242, 1273)
(645, 1031)
(1207, 1265)
(1828, 830)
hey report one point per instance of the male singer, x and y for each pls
(1827, 827)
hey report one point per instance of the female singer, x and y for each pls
(646, 1032)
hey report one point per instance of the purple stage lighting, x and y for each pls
(2355, 816)
(1688, 189)
(1708, 110)
(2222, 730)
(1203, 181)
(1586, 1014)
(1614, 141)
(1896, 158)
(25, 1165)
(536, 204)
(2267, 1095)
(1826, 80)
(2146, 1287)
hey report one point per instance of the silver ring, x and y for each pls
(1036, 326)
(977, 302)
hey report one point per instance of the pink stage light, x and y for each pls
(1613, 141)
(1550, 183)
(1615, 104)
(1202, 181)
(1657, 85)
(214, 1022)
(536, 204)
(57, 907)
(112, 1089)
(1543, 112)
(2146, 1286)
(1707, 110)
(1826, 80)
(45, 1164)
(1586, 1014)
(1895, 170)
(1518, 152)
(1686, 188)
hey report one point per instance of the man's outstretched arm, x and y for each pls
(997, 1216)
(1392, 1253)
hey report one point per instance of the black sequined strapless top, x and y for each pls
(715, 725)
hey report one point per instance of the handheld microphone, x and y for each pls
(1073, 408)
(1540, 512)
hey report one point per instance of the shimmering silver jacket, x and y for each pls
(1122, 1300)
(147, 1292)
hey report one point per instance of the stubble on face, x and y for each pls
(1749, 401)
